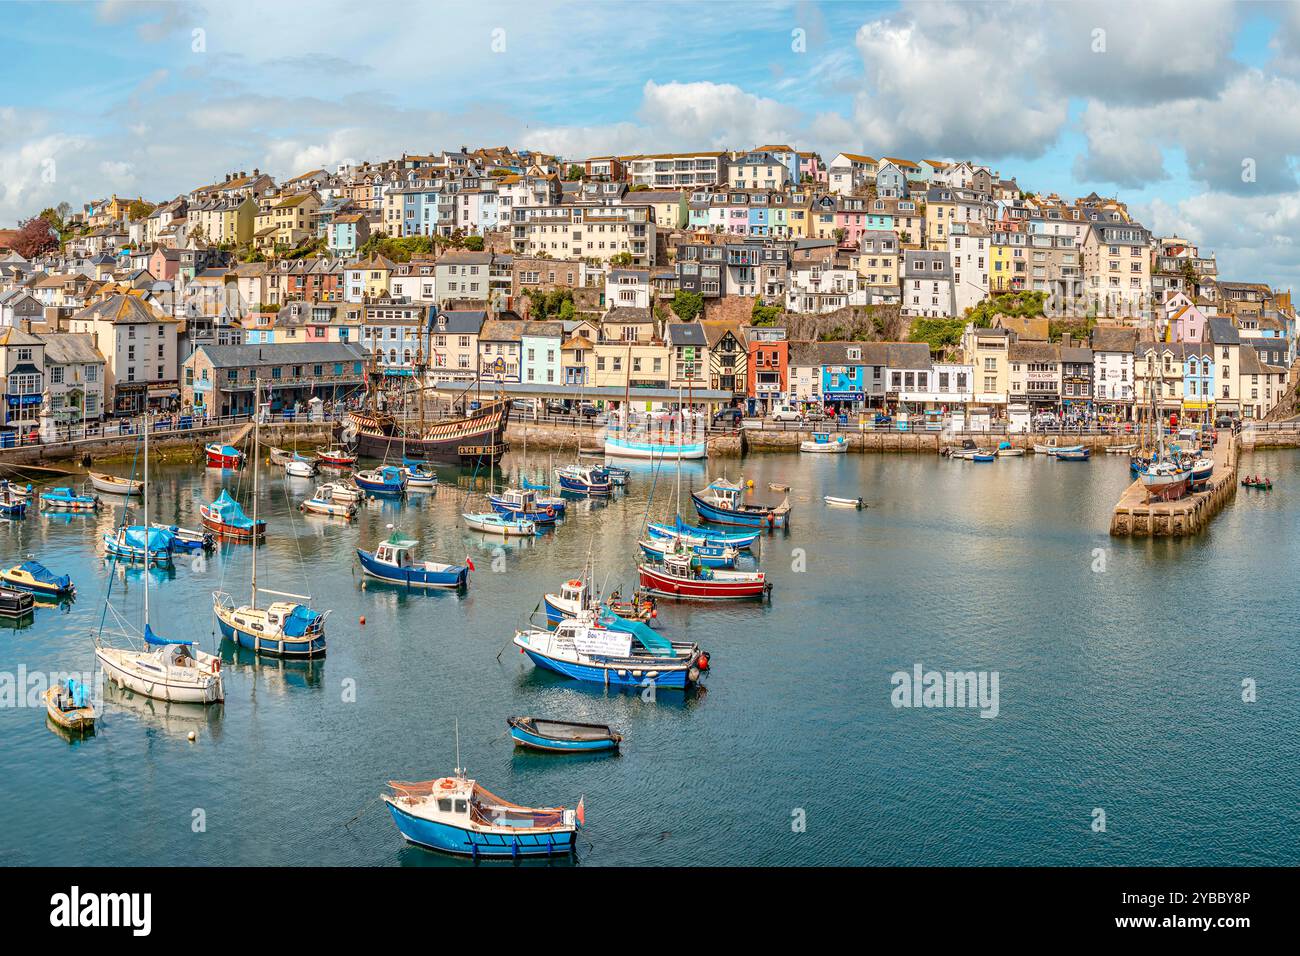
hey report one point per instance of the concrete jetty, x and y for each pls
(1135, 517)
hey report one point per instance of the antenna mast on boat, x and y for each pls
(460, 771)
(257, 419)
(147, 555)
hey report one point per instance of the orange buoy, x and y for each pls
(363, 619)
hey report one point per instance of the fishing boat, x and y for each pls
(335, 456)
(494, 523)
(1121, 449)
(822, 443)
(394, 561)
(680, 576)
(984, 456)
(844, 502)
(617, 475)
(562, 736)
(156, 666)
(456, 815)
(139, 543)
(1073, 454)
(223, 456)
(187, 539)
(575, 598)
(1202, 470)
(113, 485)
(1263, 484)
(67, 500)
(37, 578)
(226, 518)
(420, 475)
(1053, 447)
(15, 603)
(12, 504)
(1005, 450)
(613, 651)
(692, 534)
(706, 555)
(522, 503)
(585, 480)
(340, 491)
(387, 481)
(323, 502)
(68, 705)
(724, 503)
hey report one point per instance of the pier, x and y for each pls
(1135, 517)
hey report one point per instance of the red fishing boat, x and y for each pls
(223, 456)
(681, 577)
(335, 457)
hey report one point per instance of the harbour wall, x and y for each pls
(767, 439)
(1134, 517)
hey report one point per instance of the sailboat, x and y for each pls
(1164, 477)
(508, 524)
(282, 628)
(161, 668)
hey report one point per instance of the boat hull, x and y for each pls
(595, 489)
(217, 459)
(159, 689)
(524, 737)
(658, 582)
(121, 486)
(620, 674)
(823, 447)
(445, 838)
(457, 577)
(216, 525)
(307, 646)
(477, 437)
(655, 451)
(747, 518)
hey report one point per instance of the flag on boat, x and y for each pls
(469, 563)
(581, 813)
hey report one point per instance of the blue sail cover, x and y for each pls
(391, 474)
(228, 510)
(44, 575)
(650, 639)
(151, 638)
(300, 621)
(159, 540)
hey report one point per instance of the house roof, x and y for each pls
(685, 333)
(302, 353)
(122, 309)
(71, 348)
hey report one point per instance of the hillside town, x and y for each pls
(759, 279)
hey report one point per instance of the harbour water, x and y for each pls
(1120, 667)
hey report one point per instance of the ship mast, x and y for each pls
(257, 418)
(147, 554)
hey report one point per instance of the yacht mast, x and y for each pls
(147, 555)
(257, 418)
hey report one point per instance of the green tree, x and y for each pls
(939, 334)
(573, 173)
(474, 243)
(688, 305)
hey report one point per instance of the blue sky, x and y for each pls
(127, 97)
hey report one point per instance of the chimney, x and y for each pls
(1066, 340)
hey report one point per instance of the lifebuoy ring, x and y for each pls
(216, 665)
(550, 512)
(574, 583)
(448, 785)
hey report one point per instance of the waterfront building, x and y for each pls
(74, 376)
(988, 351)
(221, 380)
(22, 365)
(1112, 370)
(1035, 375)
(139, 344)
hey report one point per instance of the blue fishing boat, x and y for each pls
(692, 534)
(1074, 454)
(983, 456)
(189, 540)
(394, 561)
(65, 499)
(37, 578)
(617, 475)
(522, 503)
(724, 503)
(611, 650)
(12, 504)
(707, 555)
(560, 736)
(388, 480)
(456, 815)
(135, 542)
(584, 480)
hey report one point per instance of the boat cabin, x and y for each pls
(519, 499)
(574, 591)
(399, 554)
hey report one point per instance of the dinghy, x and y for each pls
(844, 502)
(68, 705)
(15, 604)
(494, 523)
(560, 736)
(223, 456)
(113, 485)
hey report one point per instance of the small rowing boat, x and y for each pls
(844, 502)
(1073, 454)
(1263, 484)
(65, 499)
(223, 456)
(15, 603)
(69, 706)
(562, 736)
(494, 523)
(113, 485)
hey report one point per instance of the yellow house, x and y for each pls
(368, 279)
(987, 351)
(1007, 262)
(287, 221)
(799, 220)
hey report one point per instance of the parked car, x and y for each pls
(814, 413)
(555, 407)
(588, 410)
(882, 419)
(729, 416)
(1223, 421)
(522, 404)
(786, 413)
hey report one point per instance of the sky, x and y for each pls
(1189, 110)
